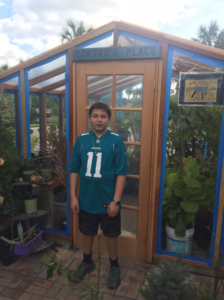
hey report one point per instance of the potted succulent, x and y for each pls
(26, 242)
(10, 164)
(184, 193)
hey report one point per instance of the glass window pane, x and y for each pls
(99, 89)
(129, 39)
(133, 157)
(193, 137)
(7, 110)
(129, 219)
(128, 125)
(129, 90)
(34, 124)
(104, 40)
(130, 193)
(52, 112)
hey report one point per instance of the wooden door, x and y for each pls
(128, 88)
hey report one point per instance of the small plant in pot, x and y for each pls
(26, 242)
(30, 203)
(184, 193)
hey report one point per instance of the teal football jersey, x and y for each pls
(98, 172)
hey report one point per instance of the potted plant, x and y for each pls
(30, 203)
(184, 193)
(10, 164)
(26, 242)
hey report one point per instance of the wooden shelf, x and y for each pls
(25, 216)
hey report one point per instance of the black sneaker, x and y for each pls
(114, 278)
(82, 270)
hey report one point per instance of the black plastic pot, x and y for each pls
(202, 233)
(4, 248)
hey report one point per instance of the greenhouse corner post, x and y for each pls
(163, 158)
(67, 142)
(27, 112)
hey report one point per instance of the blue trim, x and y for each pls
(95, 40)
(163, 160)
(39, 121)
(17, 74)
(46, 61)
(20, 112)
(190, 257)
(8, 92)
(34, 94)
(67, 142)
(59, 119)
(15, 106)
(176, 78)
(137, 37)
(27, 113)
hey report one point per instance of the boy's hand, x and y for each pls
(74, 205)
(113, 209)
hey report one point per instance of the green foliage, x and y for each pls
(90, 291)
(71, 30)
(183, 195)
(206, 292)
(169, 283)
(4, 67)
(23, 238)
(9, 170)
(210, 35)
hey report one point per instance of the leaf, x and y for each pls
(170, 179)
(209, 199)
(9, 241)
(180, 228)
(191, 183)
(20, 231)
(178, 209)
(167, 192)
(172, 201)
(171, 213)
(190, 206)
(43, 259)
(70, 276)
(178, 188)
(173, 222)
(50, 271)
(199, 197)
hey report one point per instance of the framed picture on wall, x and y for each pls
(201, 89)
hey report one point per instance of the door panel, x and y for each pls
(128, 88)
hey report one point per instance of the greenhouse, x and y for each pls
(166, 96)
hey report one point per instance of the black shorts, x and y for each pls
(88, 224)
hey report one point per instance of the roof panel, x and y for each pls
(50, 81)
(47, 67)
(103, 40)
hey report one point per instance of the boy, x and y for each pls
(99, 158)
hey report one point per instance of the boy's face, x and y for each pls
(99, 120)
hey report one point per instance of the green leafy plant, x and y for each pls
(12, 163)
(34, 142)
(90, 290)
(169, 282)
(183, 195)
(23, 238)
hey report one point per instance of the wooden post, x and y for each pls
(61, 116)
(18, 122)
(220, 216)
(43, 117)
(23, 100)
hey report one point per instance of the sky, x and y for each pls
(31, 27)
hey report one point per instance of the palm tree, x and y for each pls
(4, 67)
(71, 30)
(210, 35)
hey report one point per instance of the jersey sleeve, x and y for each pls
(120, 159)
(75, 164)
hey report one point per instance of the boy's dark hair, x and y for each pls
(100, 105)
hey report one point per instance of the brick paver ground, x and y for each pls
(24, 280)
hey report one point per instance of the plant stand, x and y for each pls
(39, 213)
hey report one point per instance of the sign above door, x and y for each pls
(117, 53)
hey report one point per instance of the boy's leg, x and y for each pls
(112, 245)
(88, 225)
(111, 227)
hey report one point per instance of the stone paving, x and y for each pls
(24, 280)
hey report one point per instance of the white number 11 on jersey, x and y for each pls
(98, 165)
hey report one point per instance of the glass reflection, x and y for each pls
(130, 193)
(133, 158)
(129, 220)
(128, 125)
(129, 90)
(99, 89)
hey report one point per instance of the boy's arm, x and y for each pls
(73, 199)
(113, 209)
